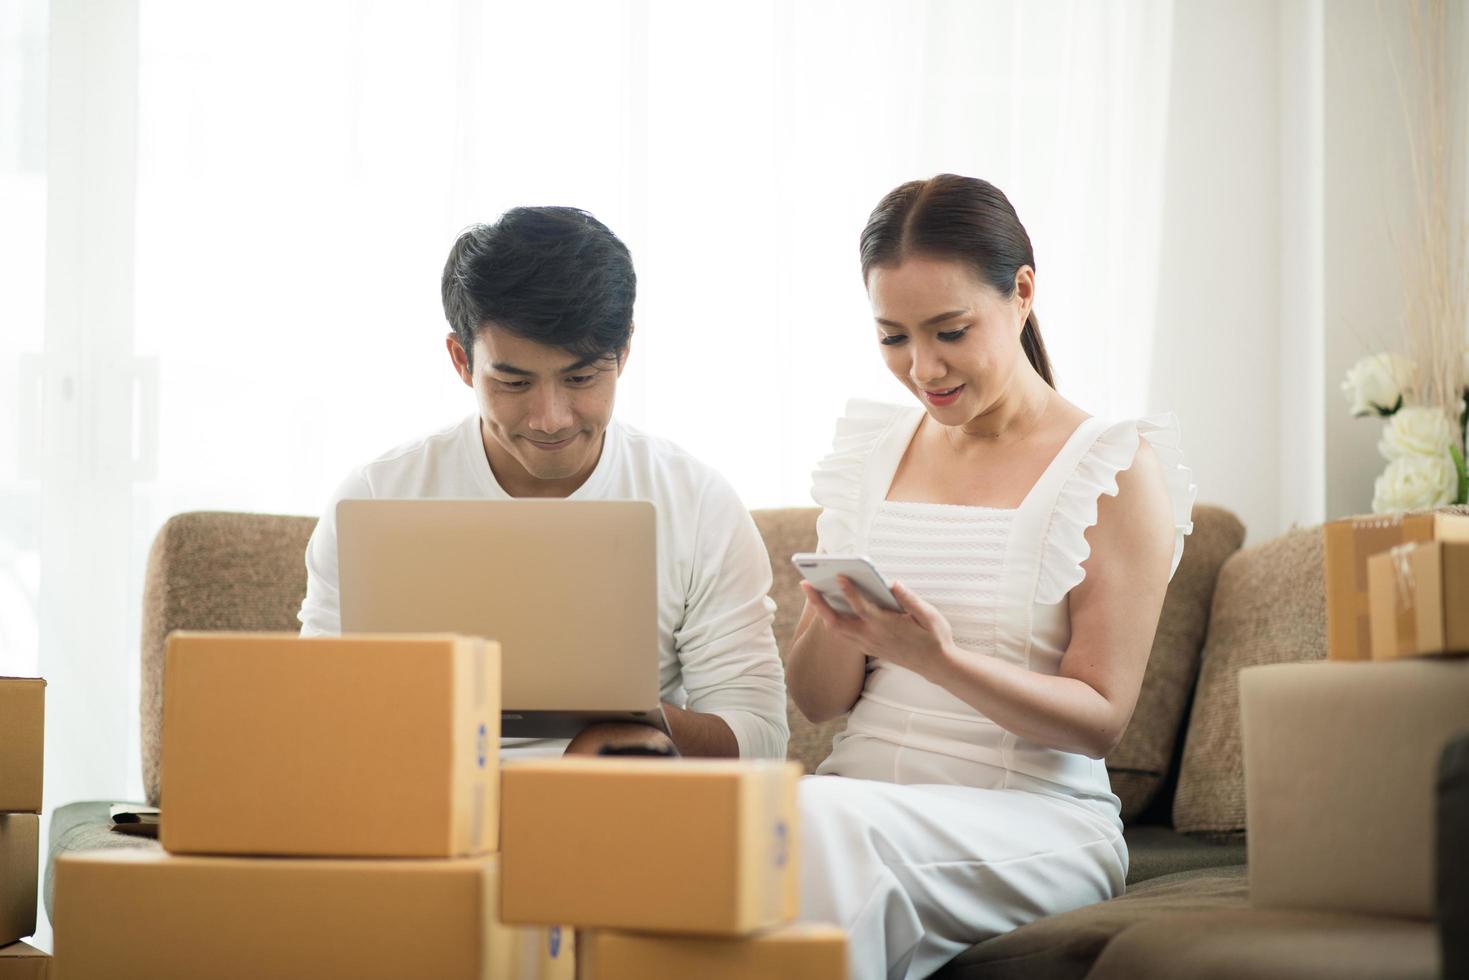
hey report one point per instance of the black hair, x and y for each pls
(554, 275)
(961, 218)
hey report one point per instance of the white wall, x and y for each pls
(1302, 331)
(1288, 189)
(1214, 360)
(1368, 207)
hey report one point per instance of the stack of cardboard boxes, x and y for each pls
(22, 738)
(22, 727)
(330, 809)
(1397, 586)
(669, 868)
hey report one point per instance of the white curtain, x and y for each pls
(269, 234)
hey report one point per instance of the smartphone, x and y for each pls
(822, 571)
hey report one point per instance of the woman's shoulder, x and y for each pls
(836, 483)
(859, 430)
(1099, 471)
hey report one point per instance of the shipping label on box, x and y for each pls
(20, 861)
(19, 961)
(131, 915)
(1419, 597)
(1349, 544)
(359, 746)
(663, 845)
(811, 952)
(22, 730)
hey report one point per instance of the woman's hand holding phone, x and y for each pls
(915, 635)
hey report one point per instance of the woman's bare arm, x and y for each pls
(823, 677)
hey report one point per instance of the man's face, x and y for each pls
(542, 410)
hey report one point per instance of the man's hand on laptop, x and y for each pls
(620, 735)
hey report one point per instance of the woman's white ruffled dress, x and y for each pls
(948, 829)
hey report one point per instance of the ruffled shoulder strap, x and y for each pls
(1065, 547)
(838, 481)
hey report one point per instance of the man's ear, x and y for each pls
(460, 357)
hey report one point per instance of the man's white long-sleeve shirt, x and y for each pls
(716, 652)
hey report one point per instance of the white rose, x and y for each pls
(1415, 483)
(1416, 431)
(1374, 384)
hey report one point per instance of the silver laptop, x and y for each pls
(568, 588)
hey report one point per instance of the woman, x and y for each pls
(1030, 547)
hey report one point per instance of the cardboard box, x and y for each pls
(367, 746)
(811, 952)
(22, 735)
(1349, 544)
(546, 952)
(131, 915)
(1341, 762)
(21, 962)
(20, 862)
(1419, 597)
(662, 845)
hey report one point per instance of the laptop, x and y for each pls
(568, 588)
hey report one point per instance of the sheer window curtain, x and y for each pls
(265, 311)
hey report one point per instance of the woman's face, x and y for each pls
(949, 337)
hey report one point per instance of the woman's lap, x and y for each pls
(918, 873)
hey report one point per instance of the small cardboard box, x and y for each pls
(365, 746)
(811, 952)
(131, 915)
(20, 861)
(21, 962)
(1341, 762)
(660, 845)
(1419, 596)
(22, 730)
(1349, 544)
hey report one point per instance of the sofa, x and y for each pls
(1178, 769)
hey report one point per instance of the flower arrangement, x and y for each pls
(1425, 396)
(1423, 444)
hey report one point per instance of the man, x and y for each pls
(540, 304)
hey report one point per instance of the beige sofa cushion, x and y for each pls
(788, 530)
(1140, 763)
(215, 571)
(1222, 945)
(1268, 608)
(1066, 945)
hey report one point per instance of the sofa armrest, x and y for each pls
(1453, 856)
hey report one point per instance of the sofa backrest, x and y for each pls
(215, 571)
(231, 571)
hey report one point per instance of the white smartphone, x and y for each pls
(822, 571)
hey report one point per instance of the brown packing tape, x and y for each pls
(1405, 589)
